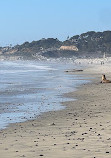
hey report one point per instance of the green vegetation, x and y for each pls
(40, 45)
(93, 41)
(89, 44)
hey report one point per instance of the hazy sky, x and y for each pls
(28, 20)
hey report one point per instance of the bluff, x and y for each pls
(89, 44)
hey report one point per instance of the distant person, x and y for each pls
(102, 62)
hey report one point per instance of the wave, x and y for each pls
(21, 67)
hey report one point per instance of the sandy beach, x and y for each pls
(81, 130)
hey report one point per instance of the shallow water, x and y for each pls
(29, 88)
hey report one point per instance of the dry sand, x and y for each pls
(81, 130)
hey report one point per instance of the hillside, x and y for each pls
(89, 44)
(92, 41)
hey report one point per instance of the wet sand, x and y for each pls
(81, 130)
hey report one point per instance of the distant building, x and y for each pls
(73, 48)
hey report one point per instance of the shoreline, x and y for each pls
(70, 132)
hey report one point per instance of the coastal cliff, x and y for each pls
(89, 44)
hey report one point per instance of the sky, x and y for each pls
(28, 20)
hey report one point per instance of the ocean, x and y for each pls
(30, 88)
